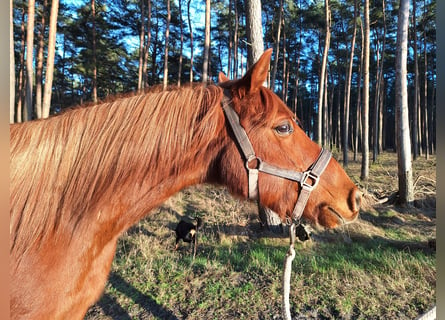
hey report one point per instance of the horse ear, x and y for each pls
(257, 74)
(222, 77)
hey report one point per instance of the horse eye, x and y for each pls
(284, 129)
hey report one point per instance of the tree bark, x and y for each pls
(270, 220)
(285, 75)
(191, 40)
(21, 78)
(379, 93)
(181, 27)
(425, 88)
(325, 122)
(94, 84)
(277, 47)
(365, 108)
(229, 56)
(406, 187)
(39, 67)
(205, 66)
(49, 74)
(416, 86)
(155, 49)
(141, 47)
(322, 88)
(348, 90)
(167, 33)
(11, 64)
(357, 131)
(254, 30)
(235, 43)
(147, 45)
(29, 61)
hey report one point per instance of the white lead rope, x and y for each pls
(290, 255)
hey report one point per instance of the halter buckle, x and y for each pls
(307, 178)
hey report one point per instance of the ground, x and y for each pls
(381, 267)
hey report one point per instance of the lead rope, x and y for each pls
(290, 255)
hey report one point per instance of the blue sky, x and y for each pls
(197, 13)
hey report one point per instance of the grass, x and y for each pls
(379, 268)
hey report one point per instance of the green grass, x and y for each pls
(379, 268)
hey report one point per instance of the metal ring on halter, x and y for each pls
(250, 159)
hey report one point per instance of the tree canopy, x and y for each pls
(117, 25)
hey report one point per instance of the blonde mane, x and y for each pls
(64, 166)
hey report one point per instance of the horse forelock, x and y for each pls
(62, 167)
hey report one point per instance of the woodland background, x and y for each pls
(80, 51)
(104, 47)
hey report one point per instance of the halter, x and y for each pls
(308, 179)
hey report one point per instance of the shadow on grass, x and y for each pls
(111, 307)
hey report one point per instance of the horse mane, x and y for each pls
(64, 166)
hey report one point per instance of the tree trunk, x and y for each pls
(229, 56)
(406, 187)
(277, 47)
(336, 139)
(359, 96)
(205, 66)
(270, 220)
(416, 86)
(167, 33)
(141, 47)
(325, 121)
(375, 123)
(254, 30)
(322, 81)
(348, 89)
(235, 43)
(365, 109)
(21, 78)
(285, 70)
(147, 45)
(425, 89)
(94, 89)
(181, 27)
(39, 67)
(382, 94)
(49, 74)
(11, 64)
(155, 50)
(28, 114)
(191, 40)
(382, 110)
(379, 93)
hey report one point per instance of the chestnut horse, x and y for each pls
(78, 180)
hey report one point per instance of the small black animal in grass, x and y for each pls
(187, 231)
(303, 232)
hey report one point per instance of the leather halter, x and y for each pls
(308, 179)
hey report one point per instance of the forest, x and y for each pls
(338, 66)
(102, 47)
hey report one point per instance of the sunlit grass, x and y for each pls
(384, 271)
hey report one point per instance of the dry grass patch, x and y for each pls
(378, 268)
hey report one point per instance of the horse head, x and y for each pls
(279, 142)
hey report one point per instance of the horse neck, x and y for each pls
(163, 143)
(110, 164)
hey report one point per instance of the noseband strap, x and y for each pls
(308, 179)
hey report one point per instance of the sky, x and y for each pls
(197, 13)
